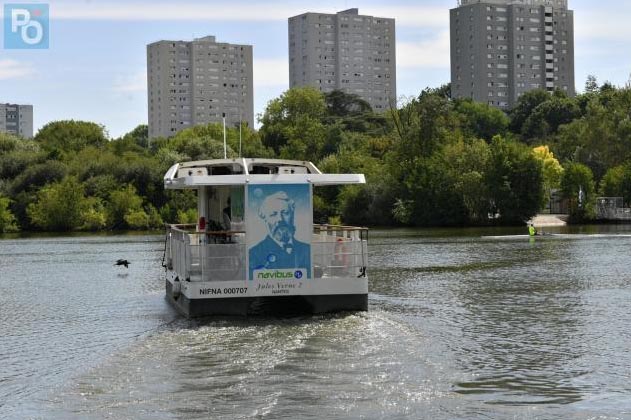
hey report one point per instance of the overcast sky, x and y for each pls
(95, 68)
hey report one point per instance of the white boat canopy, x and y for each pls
(242, 171)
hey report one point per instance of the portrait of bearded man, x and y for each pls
(279, 249)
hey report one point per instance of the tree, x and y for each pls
(552, 169)
(8, 142)
(93, 215)
(591, 84)
(342, 104)
(367, 205)
(349, 113)
(18, 154)
(124, 206)
(59, 206)
(200, 143)
(71, 136)
(525, 106)
(515, 181)
(601, 139)
(38, 175)
(577, 185)
(140, 135)
(428, 194)
(545, 119)
(617, 183)
(481, 120)
(423, 125)
(8, 223)
(292, 124)
(468, 163)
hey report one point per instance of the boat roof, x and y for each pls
(242, 171)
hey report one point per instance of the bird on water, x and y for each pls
(123, 262)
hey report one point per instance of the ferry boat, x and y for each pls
(255, 248)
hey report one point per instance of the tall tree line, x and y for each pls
(431, 161)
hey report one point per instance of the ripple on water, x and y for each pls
(458, 327)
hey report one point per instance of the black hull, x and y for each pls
(273, 305)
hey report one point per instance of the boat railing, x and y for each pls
(612, 209)
(338, 251)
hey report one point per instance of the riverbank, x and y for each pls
(549, 220)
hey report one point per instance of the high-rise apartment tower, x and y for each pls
(198, 82)
(503, 48)
(345, 51)
(17, 119)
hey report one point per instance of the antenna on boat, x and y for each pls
(240, 125)
(224, 136)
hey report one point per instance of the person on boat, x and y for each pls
(280, 249)
(532, 231)
(227, 225)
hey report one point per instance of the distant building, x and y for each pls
(503, 48)
(17, 119)
(198, 82)
(346, 51)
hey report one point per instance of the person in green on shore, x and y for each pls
(531, 230)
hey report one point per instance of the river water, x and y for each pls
(463, 324)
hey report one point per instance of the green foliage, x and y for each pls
(8, 223)
(140, 219)
(591, 84)
(468, 163)
(525, 107)
(124, 204)
(402, 211)
(8, 142)
(366, 205)
(601, 138)
(20, 155)
(100, 186)
(59, 206)
(481, 120)
(93, 215)
(515, 181)
(431, 161)
(139, 136)
(546, 118)
(617, 183)
(577, 185)
(137, 219)
(71, 136)
(423, 125)
(552, 169)
(90, 162)
(187, 216)
(292, 124)
(19, 205)
(428, 184)
(341, 104)
(38, 175)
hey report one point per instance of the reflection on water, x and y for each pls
(521, 334)
(462, 324)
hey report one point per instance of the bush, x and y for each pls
(8, 223)
(59, 206)
(122, 203)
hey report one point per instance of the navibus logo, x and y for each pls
(279, 274)
(26, 26)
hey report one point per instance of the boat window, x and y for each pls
(261, 170)
(222, 170)
(226, 208)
